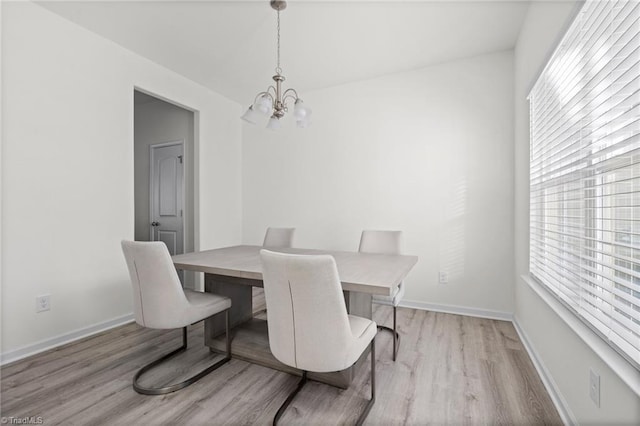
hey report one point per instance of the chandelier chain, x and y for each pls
(278, 69)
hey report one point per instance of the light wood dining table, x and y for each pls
(233, 271)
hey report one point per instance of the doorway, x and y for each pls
(164, 175)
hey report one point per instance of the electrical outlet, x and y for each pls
(594, 387)
(43, 303)
(443, 278)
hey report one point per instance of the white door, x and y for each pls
(166, 192)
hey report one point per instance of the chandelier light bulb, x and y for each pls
(274, 124)
(251, 116)
(263, 105)
(300, 111)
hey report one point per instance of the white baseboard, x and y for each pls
(458, 310)
(558, 400)
(46, 344)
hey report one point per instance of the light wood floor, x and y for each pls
(450, 370)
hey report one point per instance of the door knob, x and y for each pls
(155, 223)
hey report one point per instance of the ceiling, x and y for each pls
(229, 46)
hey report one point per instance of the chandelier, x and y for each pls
(273, 102)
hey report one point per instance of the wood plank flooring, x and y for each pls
(450, 369)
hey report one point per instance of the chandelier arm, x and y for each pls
(285, 98)
(275, 92)
(264, 94)
(290, 93)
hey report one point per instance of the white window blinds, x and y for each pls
(585, 172)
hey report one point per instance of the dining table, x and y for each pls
(234, 272)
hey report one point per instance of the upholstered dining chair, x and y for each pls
(385, 242)
(279, 237)
(309, 328)
(160, 302)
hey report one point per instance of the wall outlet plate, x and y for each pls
(43, 303)
(443, 278)
(594, 387)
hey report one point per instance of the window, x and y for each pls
(585, 172)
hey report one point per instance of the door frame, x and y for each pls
(193, 169)
(151, 192)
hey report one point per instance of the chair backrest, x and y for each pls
(381, 242)
(157, 292)
(278, 237)
(306, 312)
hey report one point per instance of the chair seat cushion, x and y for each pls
(361, 327)
(203, 305)
(364, 331)
(393, 300)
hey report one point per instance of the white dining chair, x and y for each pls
(309, 328)
(385, 242)
(279, 237)
(160, 302)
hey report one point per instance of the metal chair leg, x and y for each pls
(303, 380)
(366, 410)
(396, 335)
(292, 395)
(191, 380)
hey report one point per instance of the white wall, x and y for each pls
(563, 354)
(428, 152)
(67, 171)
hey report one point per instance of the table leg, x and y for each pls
(358, 304)
(239, 291)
